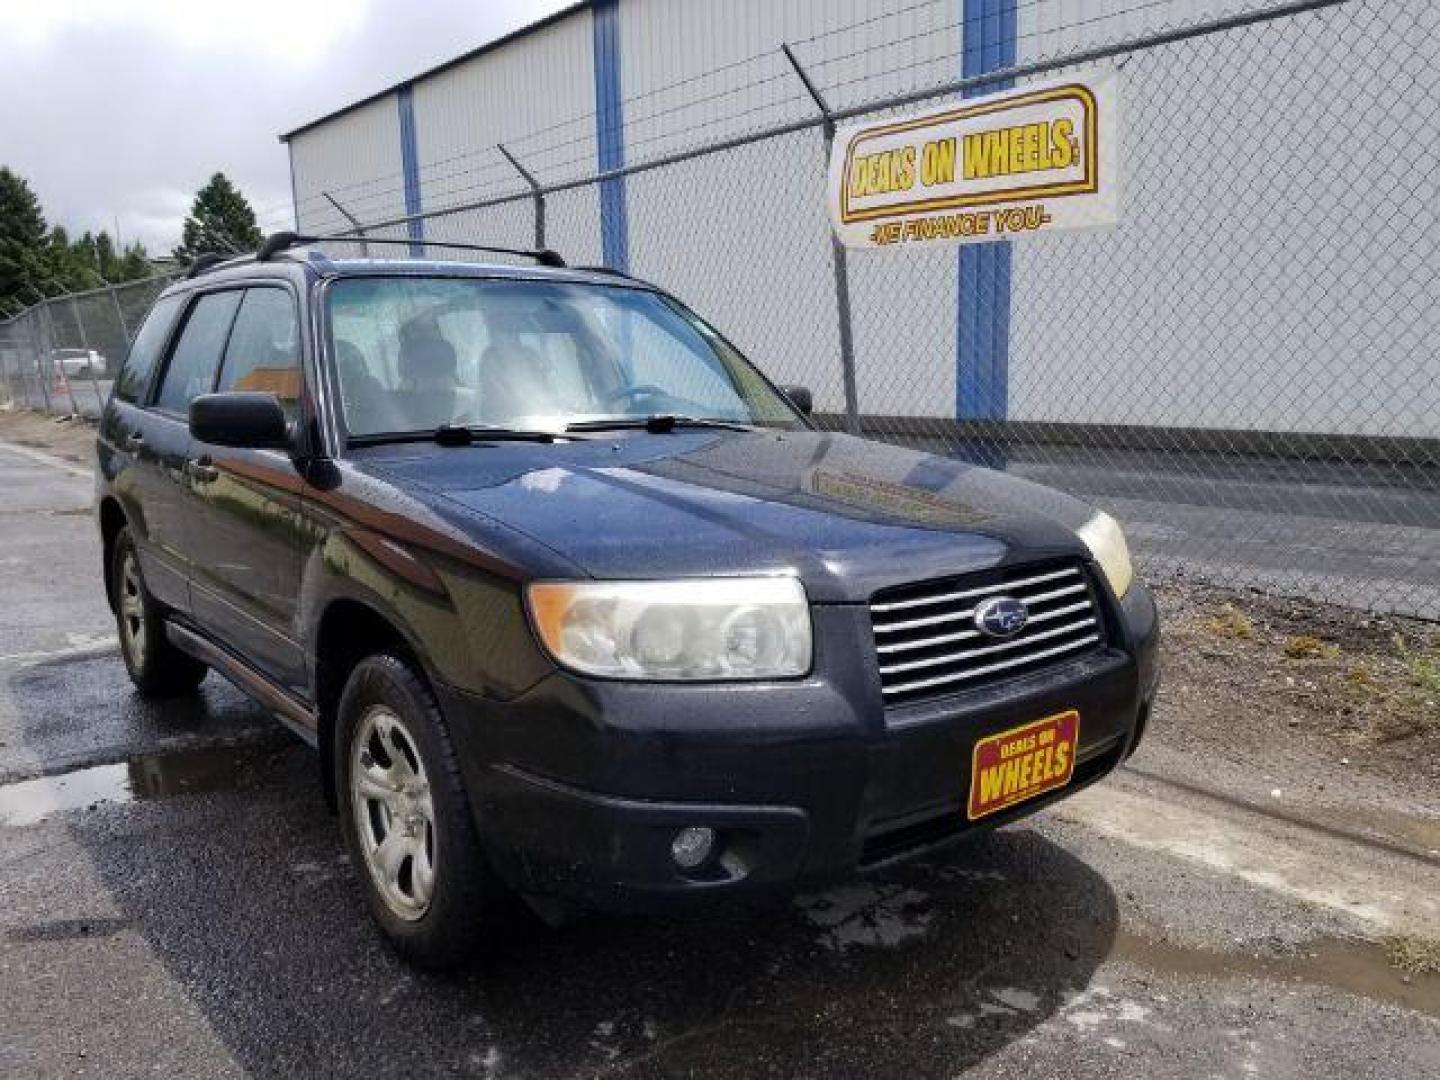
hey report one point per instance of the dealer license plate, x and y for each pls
(1022, 763)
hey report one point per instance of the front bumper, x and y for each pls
(579, 787)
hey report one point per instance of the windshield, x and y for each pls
(417, 354)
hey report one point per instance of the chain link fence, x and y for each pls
(1245, 370)
(61, 354)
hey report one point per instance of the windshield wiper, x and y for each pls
(455, 435)
(658, 423)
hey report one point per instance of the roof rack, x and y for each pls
(206, 262)
(282, 241)
(607, 270)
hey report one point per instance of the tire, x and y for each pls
(398, 784)
(157, 668)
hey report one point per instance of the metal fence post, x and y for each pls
(8, 399)
(839, 259)
(11, 326)
(32, 329)
(536, 192)
(120, 316)
(24, 322)
(354, 221)
(89, 363)
(40, 337)
(60, 364)
(35, 328)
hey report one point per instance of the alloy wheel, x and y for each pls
(394, 812)
(132, 609)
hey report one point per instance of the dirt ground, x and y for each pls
(1363, 689)
(70, 438)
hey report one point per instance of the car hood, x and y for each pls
(847, 515)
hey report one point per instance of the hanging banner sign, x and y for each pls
(1000, 167)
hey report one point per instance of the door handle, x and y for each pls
(134, 442)
(202, 470)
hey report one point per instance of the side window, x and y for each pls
(196, 356)
(264, 349)
(134, 377)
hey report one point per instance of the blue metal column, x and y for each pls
(610, 135)
(410, 166)
(982, 361)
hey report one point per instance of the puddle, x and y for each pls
(1357, 967)
(70, 929)
(1414, 829)
(867, 914)
(140, 778)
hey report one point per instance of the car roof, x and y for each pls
(319, 265)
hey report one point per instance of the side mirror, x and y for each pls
(799, 397)
(242, 419)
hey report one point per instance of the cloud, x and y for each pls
(119, 112)
(294, 33)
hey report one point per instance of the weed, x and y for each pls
(1424, 667)
(1230, 622)
(1362, 677)
(1413, 955)
(1306, 647)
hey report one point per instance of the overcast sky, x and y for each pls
(121, 109)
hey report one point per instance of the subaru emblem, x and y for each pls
(1001, 617)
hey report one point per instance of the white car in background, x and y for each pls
(79, 362)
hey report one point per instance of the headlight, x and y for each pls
(720, 628)
(1106, 540)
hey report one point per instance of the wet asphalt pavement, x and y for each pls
(174, 900)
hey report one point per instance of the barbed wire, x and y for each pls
(366, 194)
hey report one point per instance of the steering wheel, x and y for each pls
(631, 393)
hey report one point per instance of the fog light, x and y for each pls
(692, 846)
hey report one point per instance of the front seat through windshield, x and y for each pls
(420, 353)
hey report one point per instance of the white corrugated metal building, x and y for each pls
(1265, 275)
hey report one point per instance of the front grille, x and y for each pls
(928, 645)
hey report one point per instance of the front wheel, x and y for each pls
(406, 817)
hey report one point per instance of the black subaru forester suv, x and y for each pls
(576, 605)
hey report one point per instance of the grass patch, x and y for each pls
(1362, 677)
(1424, 667)
(1230, 622)
(1413, 955)
(1425, 673)
(1306, 647)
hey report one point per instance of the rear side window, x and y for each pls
(264, 349)
(134, 377)
(195, 359)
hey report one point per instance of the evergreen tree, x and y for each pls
(220, 220)
(134, 265)
(67, 267)
(106, 260)
(22, 239)
(36, 259)
(85, 253)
